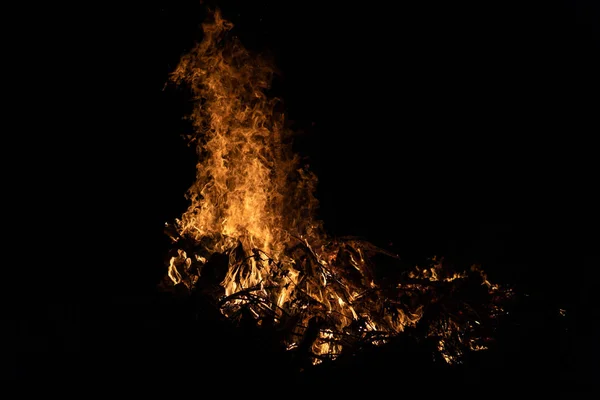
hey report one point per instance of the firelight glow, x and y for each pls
(253, 202)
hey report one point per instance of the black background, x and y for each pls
(462, 131)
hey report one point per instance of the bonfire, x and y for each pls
(250, 241)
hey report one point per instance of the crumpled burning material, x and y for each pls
(327, 309)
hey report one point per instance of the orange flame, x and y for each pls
(255, 203)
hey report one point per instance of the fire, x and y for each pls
(250, 239)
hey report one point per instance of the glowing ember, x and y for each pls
(250, 239)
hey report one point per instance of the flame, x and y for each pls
(254, 203)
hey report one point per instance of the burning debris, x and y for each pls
(249, 239)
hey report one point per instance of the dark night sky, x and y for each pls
(456, 130)
(435, 128)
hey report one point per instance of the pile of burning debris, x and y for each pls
(325, 309)
(249, 240)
